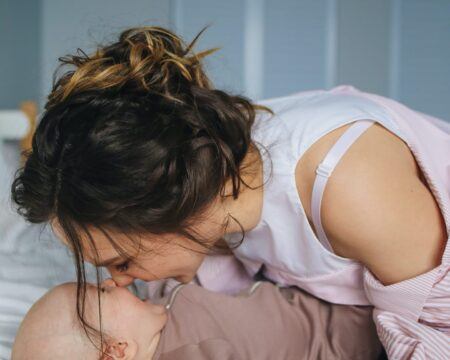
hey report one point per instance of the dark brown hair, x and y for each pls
(134, 139)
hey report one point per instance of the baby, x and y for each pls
(50, 329)
(265, 322)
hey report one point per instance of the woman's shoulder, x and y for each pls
(376, 206)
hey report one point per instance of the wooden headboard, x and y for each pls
(19, 124)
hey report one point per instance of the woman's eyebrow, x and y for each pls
(108, 262)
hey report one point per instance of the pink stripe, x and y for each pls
(436, 311)
(406, 339)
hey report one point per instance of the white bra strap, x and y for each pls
(326, 167)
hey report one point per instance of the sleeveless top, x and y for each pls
(283, 240)
(412, 316)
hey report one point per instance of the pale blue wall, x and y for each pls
(396, 48)
(424, 56)
(295, 46)
(20, 45)
(363, 52)
(226, 20)
(68, 24)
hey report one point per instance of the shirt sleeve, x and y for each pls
(223, 273)
(406, 339)
(412, 317)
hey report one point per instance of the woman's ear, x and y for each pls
(120, 350)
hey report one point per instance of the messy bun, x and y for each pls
(145, 59)
(134, 138)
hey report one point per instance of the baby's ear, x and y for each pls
(120, 350)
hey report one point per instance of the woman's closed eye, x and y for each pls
(122, 267)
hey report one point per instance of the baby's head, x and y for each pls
(51, 330)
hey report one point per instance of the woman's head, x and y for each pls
(146, 256)
(133, 155)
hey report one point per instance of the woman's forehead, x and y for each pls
(99, 234)
(99, 243)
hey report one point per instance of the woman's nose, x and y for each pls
(122, 280)
(108, 283)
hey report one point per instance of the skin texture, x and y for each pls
(377, 207)
(50, 329)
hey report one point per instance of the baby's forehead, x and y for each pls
(51, 326)
(60, 340)
(66, 295)
(54, 312)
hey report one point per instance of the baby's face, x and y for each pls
(50, 330)
(125, 316)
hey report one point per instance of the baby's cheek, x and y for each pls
(148, 318)
(114, 317)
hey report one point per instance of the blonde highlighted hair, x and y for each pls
(150, 56)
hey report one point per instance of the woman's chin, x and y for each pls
(185, 279)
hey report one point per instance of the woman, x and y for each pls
(142, 167)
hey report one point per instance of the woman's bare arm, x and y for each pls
(376, 208)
